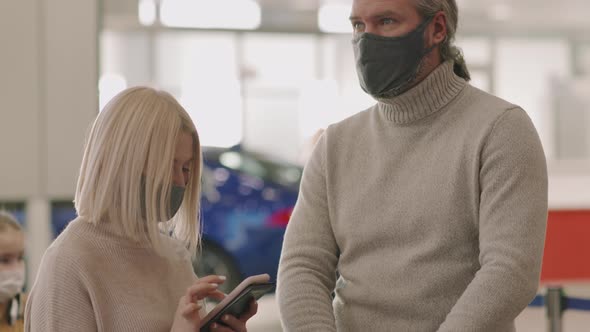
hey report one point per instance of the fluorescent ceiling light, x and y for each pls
(146, 12)
(333, 17)
(210, 14)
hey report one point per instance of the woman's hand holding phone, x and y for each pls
(187, 318)
(234, 324)
(232, 313)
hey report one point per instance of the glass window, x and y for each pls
(480, 79)
(124, 61)
(525, 72)
(277, 68)
(338, 61)
(200, 69)
(572, 119)
(279, 60)
(477, 50)
(583, 59)
(271, 122)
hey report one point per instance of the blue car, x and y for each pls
(247, 200)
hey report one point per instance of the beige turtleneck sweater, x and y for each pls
(431, 206)
(92, 279)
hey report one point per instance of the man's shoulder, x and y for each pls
(486, 103)
(477, 111)
(481, 113)
(352, 123)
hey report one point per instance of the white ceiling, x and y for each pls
(521, 16)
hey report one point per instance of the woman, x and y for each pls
(123, 264)
(12, 274)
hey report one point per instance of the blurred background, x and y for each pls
(261, 79)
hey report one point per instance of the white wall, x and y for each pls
(48, 98)
(19, 100)
(569, 184)
(70, 69)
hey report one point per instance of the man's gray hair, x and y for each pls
(448, 51)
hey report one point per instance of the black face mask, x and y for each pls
(176, 197)
(386, 64)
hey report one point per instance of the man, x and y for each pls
(431, 206)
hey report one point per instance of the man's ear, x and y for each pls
(439, 28)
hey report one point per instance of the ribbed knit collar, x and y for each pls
(426, 98)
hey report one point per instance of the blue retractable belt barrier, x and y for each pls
(569, 303)
(538, 301)
(577, 304)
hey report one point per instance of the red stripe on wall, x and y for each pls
(567, 246)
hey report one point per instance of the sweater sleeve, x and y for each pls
(59, 300)
(512, 223)
(309, 256)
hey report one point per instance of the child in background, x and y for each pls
(12, 274)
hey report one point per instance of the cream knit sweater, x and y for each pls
(92, 279)
(431, 206)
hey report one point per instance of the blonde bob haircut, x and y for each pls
(131, 144)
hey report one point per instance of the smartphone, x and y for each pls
(237, 302)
